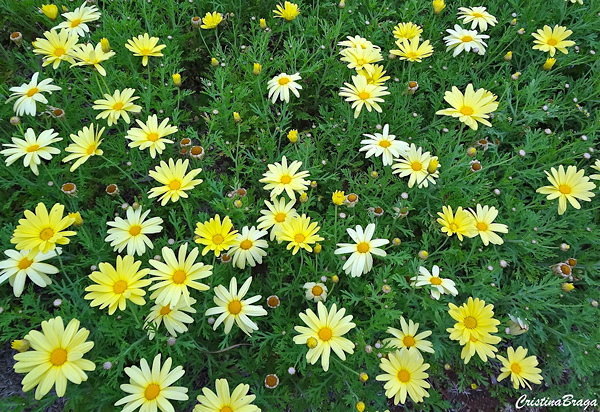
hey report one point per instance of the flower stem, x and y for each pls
(124, 173)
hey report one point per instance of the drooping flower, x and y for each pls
(76, 20)
(327, 329)
(211, 20)
(570, 185)
(223, 401)
(412, 51)
(300, 232)
(551, 39)
(233, 308)
(407, 31)
(282, 177)
(117, 105)
(33, 148)
(596, 166)
(174, 318)
(50, 11)
(317, 292)
(356, 41)
(384, 145)
(472, 107)
(55, 47)
(280, 86)
(477, 16)
(484, 223)
(357, 58)
(175, 180)
(145, 46)
(461, 223)
(483, 348)
(88, 55)
(438, 285)
(361, 260)
(85, 145)
(23, 264)
(215, 235)
(276, 214)
(520, 368)
(28, 94)
(42, 230)
(289, 11)
(248, 247)
(405, 375)
(408, 337)
(132, 232)
(374, 74)
(473, 318)
(151, 135)
(415, 164)
(461, 39)
(361, 93)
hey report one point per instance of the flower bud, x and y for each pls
(513, 22)
(303, 197)
(335, 279)
(508, 56)
(311, 343)
(105, 44)
(549, 63)
(471, 152)
(257, 69)
(50, 11)
(15, 120)
(263, 24)
(238, 203)
(433, 165)
(423, 254)
(21, 345)
(515, 76)
(236, 117)
(177, 79)
(438, 6)
(214, 62)
(567, 287)
(293, 136)
(317, 249)
(363, 377)
(17, 37)
(78, 219)
(360, 406)
(196, 21)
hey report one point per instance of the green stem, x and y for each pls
(124, 173)
(237, 152)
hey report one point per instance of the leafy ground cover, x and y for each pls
(212, 209)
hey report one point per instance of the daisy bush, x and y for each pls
(298, 206)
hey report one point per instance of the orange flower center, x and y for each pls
(466, 110)
(175, 185)
(317, 290)
(385, 143)
(363, 247)
(246, 244)
(515, 367)
(482, 226)
(119, 287)
(32, 91)
(144, 52)
(59, 52)
(352, 197)
(552, 42)
(153, 137)
(403, 375)
(75, 23)
(135, 230)
(179, 277)
(466, 39)
(363, 95)
(416, 166)
(283, 81)
(91, 149)
(470, 322)
(564, 189)
(24, 263)
(118, 106)
(152, 391)
(325, 334)
(33, 148)
(409, 341)
(234, 307)
(271, 381)
(273, 301)
(434, 280)
(165, 310)
(280, 217)
(285, 179)
(58, 357)
(218, 239)
(46, 234)
(226, 409)
(299, 238)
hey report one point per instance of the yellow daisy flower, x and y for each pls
(33, 148)
(356, 41)
(57, 356)
(472, 107)
(405, 375)
(328, 330)
(477, 16)
(551, 39)
(88, 55)
(484, 223)
(113, 287)
(484, 349)
(374, 74)
(173, 277)
(145, 46)
(408, 337)
(151, 135)
(28, 94)
(23, 264)
(570, 185)
(461, 223)
(233, 308)
(520, 368)
(211, 21)
(473, 318)
(357, 58)
(289, 11)
(280, 177)
(174, 318)
(117, 105)
(224, 401)
(412, 51)
(248, 247)
(361, 260)
(77, 19)
(131, 232)
(215, 235)
(175, 180)
(42, 230)
(85, 145)
(461, 39)
(276, 214)
(415, 164)
(596, 166)
(150, 389)
(55, 47)
(361, 93)
(300, 232)
(338, 197)
(407, 31)
(280, 86)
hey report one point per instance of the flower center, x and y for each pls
(477, 15)
(466, 110)
(403, 375)
(24, 263)
(217, 239)
(179, 276)
(482, 226)
(119, 287)
(273, 301)
(364, 95)
(552, 42)
(466, 39)
(280, 217)
(564, 189)
(434, 280)
(135, 230)
(363, 247)
(152, 391)
(285, 179)
(352, 197)
(75, 23)
(411, 55)
(91, 149)
(153, 137)
(317, 290)
(515, 368)
(46, 234)
(58, 357)
(118, 106)
(416, 166)
(165, 310)
(325, 334)
(361, 62)
(283, 81)
(453, 227)
(174, 185)
(145, 52)
(299, 238)
(59, 52)
(409, 341)
(470, 322)
(385, 143)
(226, 409)
(32, 91)
(234, 307)
(271, 381)
(33, 148)
(246, 244)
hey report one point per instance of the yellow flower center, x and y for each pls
(135, 230)
(145, 52)
(280, 217)
(515, 367)
(470, 322)
(246, 244)
(434, 280)
(285, 179)
(453, 227)
(58, 357)
(119, 287)
(283, 81)
(153, 137)
(317, 290)
(552, 42)
(226, 409)
(33, 148)
(361, 62)
(466, 39)
(218, 239)
(118, 106)
(325, 334)
(466, 110)
(403, 375)
(24, 263)
(175, 185)
(179, 276)
(412, 55)
(409, 341)
(165, 310)
(416, 166)
(482, 226)
(299, 238)
(46, 234)
(477, 15)
(564, 189)
(385, 143)
(363, 95)
(234, 307)
(59, 52)
(152, 391)
(32, 91)
(91, 149)
(75, 23)
(363, 247)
